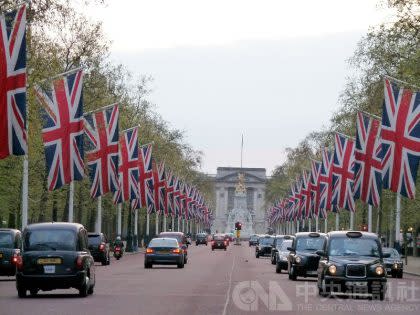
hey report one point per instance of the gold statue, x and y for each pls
(240, 186)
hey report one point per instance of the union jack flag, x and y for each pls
(325, 182)
(145, 185)
(293, 202)
(299, 197)
(101, 129)
(305, 193)
(182, 199)
(314, 188)
(343, 172)
(13, 138)
(159, 181)
(62, 133)
(128, 167)
(368, 162)
(170, 187)
(176, 196)
(400, 139)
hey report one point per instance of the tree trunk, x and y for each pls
(44, 199)
(54, 208)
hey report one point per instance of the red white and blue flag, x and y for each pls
(343, 173)
(368, 160)
(400, 139)
(314, 184)
(159, 181)
(101, 129)
(146, 183)
(62, 132)
(182, 198)
(128, 167)
(176, 197)
(305, 196)
(170, 187)
(13, 137)
(325, 182)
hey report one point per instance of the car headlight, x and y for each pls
(332, 269)
(395, 266)
(298, 259)
(379, 270)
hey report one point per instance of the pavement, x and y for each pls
(231, 282)
(413, 266)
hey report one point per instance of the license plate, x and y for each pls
(356, 283)
(49, 269)
(49, 261)
(388, 269)
(163, 252)
(312, 272)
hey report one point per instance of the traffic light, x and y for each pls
(238, 226)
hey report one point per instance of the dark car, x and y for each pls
(219, 242)
(10, 251)
(201, 238)
(393, 264)
(278, 240)
(182, 241)
(303, 259)
(99, 248)
(55, 256)
(282, 254)
(352, 263)
(163, 251)
(253, 240)
(264, 245)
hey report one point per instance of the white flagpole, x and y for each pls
(179, 223)
(183, 225)
(136, 223)
(337, 221)
(398, 220)
(25, 191)
(309, 225)
(297, 226)
(147, 224)
(157, 223)
(119, 208)
(316, 224)
(98, 224)
(370, 218)
(164, 222)
(325, 225)
(173, 223)
(351, 220)
(71, 199)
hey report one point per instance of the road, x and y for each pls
(219, 282)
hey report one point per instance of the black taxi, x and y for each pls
(352, 263)
(303, 259)
(10, 251)
(55, 256)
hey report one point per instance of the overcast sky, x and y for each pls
(272, 70)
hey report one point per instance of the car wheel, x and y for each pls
(33, 292)
(180, 265)
(322, 291)
(292, 275)
(393, 275)
(206, 243)
(104, 262)
(185, 260)
(118, 257)
(21, 291)
(91, 288)
(273, 260)
(400, 274)
(225, 248)
(109, 260)
(278, 269)
(83, 291)
(257, 255)
(212, 248)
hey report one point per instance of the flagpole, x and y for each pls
(136, 239)
(326, 225)
(98, 224)
(147, 225)
(25, 191)
(62, 74)
(173, 223)
(309, 225)
(351, 220)
(157, 223)
(164, 223)
(316, 223)
(119, 208)
(71, 199)
(183, 225)
(337, 221)
(99, 109)
(370, 218)
(398, 223)
(179, 223)
(402, 82)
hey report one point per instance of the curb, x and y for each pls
(412, 273)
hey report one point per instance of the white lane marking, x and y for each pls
(229, 287)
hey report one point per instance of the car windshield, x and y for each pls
(279, 242)
(219, 237)
(353, 247)
(51, 239)
(253, 238)
(163, 242)
(178, 237)
(309, 243)
(6, 240)
(266, 241)
(285, 244)
(94, 239)
(393, 252)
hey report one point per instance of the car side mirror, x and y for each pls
(290, 249)
(320, 253)
(386, 255)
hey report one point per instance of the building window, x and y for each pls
(231, 197)
(250, 198)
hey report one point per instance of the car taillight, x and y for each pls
(177, 251)
(149, 250)
(17, 261)
(102, 247)
(79, 262)
(117, 249)
(225, 243)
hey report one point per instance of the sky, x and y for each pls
(270, 70)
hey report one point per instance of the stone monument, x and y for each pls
(240, 212)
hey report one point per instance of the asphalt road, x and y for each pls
(219, 282)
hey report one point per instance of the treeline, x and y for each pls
(392, 49)
(60, 38)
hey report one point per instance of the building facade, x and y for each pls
(225, 183)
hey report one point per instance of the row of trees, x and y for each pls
(60, 38)
(391, 49)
